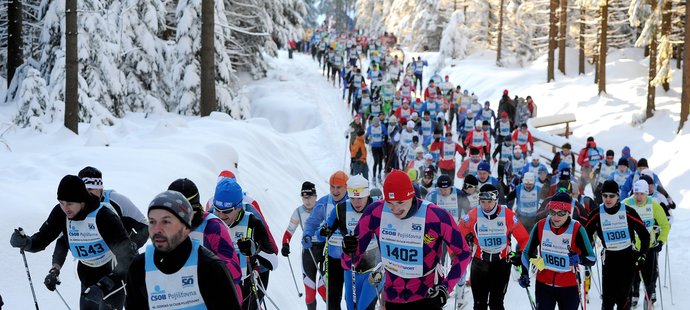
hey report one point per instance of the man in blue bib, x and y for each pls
(176, 271)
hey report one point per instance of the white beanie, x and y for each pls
(410, 124)
(478, 123)
(647, 172)
(357, 187)
(529, 178)
(641, 186)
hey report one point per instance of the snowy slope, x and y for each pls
(298, 134)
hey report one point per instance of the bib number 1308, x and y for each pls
(84, 251)
(407, 255)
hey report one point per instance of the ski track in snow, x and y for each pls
(297, 133)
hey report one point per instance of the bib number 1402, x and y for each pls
(407, 255)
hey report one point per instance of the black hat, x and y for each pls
(642, 163)
(488, 192)
(188, 189)
(470, 180)
(429, 172)
(564, 174)
(647, 179)
(308, 189)
(92, 177)
(609, 153)
(590, 139)
(474, 151)
(623, 162)
(564, 186)
(566, 146)
(72, 189)
(444, 181)
(610, 187)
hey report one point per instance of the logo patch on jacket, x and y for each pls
(428, 239)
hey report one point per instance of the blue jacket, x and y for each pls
(317, 218)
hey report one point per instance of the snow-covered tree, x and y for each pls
(455, 41)
(30, 95)
(533, 28)
(143, 55)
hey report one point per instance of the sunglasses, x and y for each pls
(558, 212)
(609, 195)
(226, 211)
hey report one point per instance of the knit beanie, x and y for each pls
(561, 202)
(610, 187)
(623, 162)
(92, 177)
(397, 186)
(642, 163)
(175, 203)
(72, 189)
(357, 187)
(444, 181)
(339, 178)
(470, 180)
(641, 186)
(308, 189)
(188, 189)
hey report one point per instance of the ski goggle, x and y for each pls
(490, 195)
(558, 212)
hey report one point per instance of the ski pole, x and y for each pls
(354, 286)
(263, 290)
(63, 300)
(646, 294)
(26, 265)
(661, 295)
(670, 282)
(292, 273)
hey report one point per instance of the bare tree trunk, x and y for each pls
(666, 31)
(651, 89)
(500, 34)
(679, 55)
(553, 32)
(14, 38)
(603, 45)
(563, 33)
(685, 97)
(71, 67)
(581, 56)
(208, 53)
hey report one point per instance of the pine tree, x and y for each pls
(32, 98)
(455, 42)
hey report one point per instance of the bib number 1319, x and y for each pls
(407, 255)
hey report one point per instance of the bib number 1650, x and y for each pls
(407, 255)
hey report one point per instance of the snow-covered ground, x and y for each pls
(297, 134)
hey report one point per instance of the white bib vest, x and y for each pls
(402, 243)
(86, 243)
(492, 234)
(556, 248)
(527, 201)
(179, 290)
(614, 228)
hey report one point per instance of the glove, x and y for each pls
(524, 281)
(470, 239)
(306, 242)
(515, 258)
(20, 240)
(574, 258)
(285, 250)
(495, 160)
(438, 294)
(659, 245)
(639, 261)
(325, 231)
(95, 293)
(350, 244)
(247, 247)
(52, 279)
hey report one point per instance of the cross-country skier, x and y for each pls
(312, 259)
(176, 265)
(411, 233)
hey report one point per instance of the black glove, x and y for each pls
(96, 292)
(438, 294)
(437, 139)
(639, 261)
(659, 246)
(52, 279)
(325, 230)
(523, 281)
(247, 247)
(470, 239)
(285, 250)
(350, 244)
(515, 258)
(20, 240)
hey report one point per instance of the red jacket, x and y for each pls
(513, 228)
(530, 141)
(487, 142)
(446, 164)
(398, 114)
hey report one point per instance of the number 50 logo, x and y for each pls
(416, 227)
